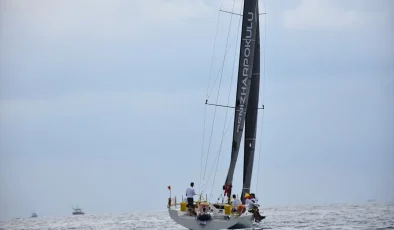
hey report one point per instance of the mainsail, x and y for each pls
(251, 117)
(245, 71)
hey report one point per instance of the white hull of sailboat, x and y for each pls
(217, 222)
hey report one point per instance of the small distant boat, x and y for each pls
(78, 211)
(34, 215)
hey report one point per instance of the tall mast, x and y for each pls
(251, 116)
(245, 69)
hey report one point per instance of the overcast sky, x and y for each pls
(102, 103)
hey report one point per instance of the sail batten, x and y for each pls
(245, 73)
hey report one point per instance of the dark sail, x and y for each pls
(251, 117)
(245, 67)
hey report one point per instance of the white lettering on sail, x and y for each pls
(245, 70)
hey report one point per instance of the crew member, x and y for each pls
(237, 205)
(189, 194)
(254, 208)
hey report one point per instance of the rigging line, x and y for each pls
(216, 159)
(260, 148)
(221, 67)
(264, 77)
(213, 123)
(217, 76)
(206, 96)
(217, 156)
(202, 146)
(214, 48)
(212, 127)
(228, 98)
(217, 97)
(211, 130)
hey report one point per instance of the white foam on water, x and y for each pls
(338, 216)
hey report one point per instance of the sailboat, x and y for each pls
(246, 110)
(77, 211)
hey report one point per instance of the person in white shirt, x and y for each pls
(248, 201)
(254, 199)
(190, 193)
(237, 205)
(235, 201)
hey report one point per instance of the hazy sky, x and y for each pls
(102, 102)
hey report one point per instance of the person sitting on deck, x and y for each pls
(237, 205)
(201, 207)
(254, 208)
(254, 199)
(248, 201)
(203, 215)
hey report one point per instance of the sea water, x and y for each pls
(335, 216)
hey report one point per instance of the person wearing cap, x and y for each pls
(190, 193)
(248, 201)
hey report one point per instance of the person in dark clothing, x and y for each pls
(204, 216)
